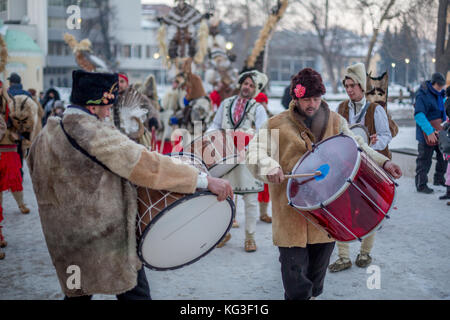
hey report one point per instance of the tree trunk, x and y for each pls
(373, 40)
(442, 50)
(376, 31)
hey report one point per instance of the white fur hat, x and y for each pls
(357, 73)
(259, 78)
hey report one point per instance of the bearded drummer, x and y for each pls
(82, 169)
(242, 113)
(373, 116)
(304, 250)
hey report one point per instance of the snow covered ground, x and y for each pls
(411, 257)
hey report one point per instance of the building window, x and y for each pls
(58, 48)
(148, 52)
(3, 5)
(126, 51)
(137, 51)
(56, 23)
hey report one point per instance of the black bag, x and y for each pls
(444, 140)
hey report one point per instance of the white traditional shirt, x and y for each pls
(260, 117)
(381, 122)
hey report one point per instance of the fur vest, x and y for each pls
(88, 214)
(369, 121)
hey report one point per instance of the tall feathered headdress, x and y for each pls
(83, 54)
(265, 34)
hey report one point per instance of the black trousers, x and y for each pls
(140, 292)
(424, 162)
(303, 270)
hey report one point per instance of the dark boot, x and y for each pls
(425, 189)
(447, 195)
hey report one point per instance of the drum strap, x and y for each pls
(83, 151)
(363, 112)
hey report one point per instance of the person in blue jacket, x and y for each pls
(429, 106)
(15, 86)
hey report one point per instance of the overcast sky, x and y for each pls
(168, 2)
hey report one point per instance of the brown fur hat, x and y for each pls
(311, 80)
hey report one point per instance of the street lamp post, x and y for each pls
(393, 72)
(407, 70)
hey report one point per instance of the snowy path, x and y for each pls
(412, 251)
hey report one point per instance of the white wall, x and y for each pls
(17, 9)
(128, 15)
(37, 11)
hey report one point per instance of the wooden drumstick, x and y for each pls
(304, 175)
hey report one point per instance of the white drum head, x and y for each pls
(186, 231)
(361, 131)
(220, 169)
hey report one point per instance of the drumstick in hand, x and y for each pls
(304, 175)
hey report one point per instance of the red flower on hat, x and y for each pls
(300, 91)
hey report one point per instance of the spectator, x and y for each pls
(15, 86)
(58, 109)
(286, 100)
(51, 96)
(447, 156)
(429, 114)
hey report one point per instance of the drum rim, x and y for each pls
(172, 205)
(341, 190)
(219, 164)
(359, 125)
(189, 154)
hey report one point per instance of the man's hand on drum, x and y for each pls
(393, 169)
(222, 188)
(373, 139)
(276, 176)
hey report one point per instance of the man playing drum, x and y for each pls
(373, 116)
(304, 249)
(243, 113)
(82, 169)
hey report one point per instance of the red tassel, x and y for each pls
(10, 177)
(264, 196)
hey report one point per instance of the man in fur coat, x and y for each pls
(82, 169)
(243, 113)
(373, 116)
(304, 250)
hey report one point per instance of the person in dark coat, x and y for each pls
(429, 110)
(51, 96)
(286, 100)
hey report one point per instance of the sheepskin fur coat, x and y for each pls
(289, 228)
(88, 213)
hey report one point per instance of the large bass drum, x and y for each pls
(352, 197)
(175, 230)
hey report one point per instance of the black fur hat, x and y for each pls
(94, 89)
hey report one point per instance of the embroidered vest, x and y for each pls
(248, 119)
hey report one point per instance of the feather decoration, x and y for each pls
(266, 32)
(202, 50)
(131, 114)
(163, 51)
(3, 54)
